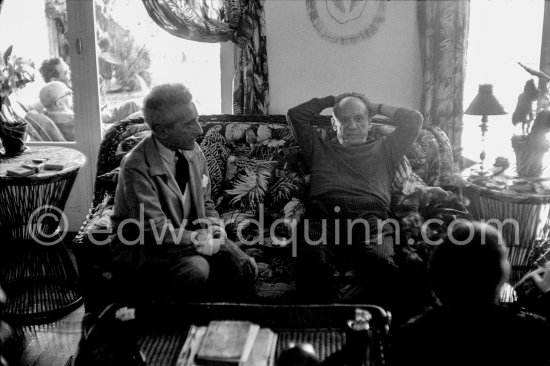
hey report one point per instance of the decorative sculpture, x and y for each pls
(524, 109)
(532, 144)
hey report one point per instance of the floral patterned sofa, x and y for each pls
(257, 172)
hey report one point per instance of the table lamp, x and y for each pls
(484, 104)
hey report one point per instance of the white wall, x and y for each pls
(302, 65)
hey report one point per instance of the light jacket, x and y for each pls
(147, 194)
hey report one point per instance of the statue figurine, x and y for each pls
(524, 109)
(530, 149)
(531, 145)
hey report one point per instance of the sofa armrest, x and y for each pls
(91, 250)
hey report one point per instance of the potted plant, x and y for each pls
(14, 75)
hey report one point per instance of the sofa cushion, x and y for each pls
(406, 180)
(98, 222)
(259, 172)
(443, 171)
(128, 143)
(214, 147)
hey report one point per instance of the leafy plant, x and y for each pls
(133, 74)
(14, 75)
(123, 62)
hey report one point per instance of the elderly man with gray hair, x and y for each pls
(351, 179)
(167, 234)
(57, 99)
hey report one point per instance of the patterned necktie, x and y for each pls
(182, 171)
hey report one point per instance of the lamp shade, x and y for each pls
(485, 103)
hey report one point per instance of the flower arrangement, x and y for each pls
(14, 75)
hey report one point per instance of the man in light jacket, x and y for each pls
(166, 231)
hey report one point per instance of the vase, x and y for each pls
(529, 154)
(13, 130)
(13, 137)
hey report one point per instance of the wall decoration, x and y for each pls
(346, 21)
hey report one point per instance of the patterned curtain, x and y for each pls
(239, 21)
(443, 28)
(250, 83)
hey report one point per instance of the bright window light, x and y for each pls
(502, 33)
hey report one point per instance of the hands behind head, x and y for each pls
(208, 241)
(370, 105)
(338, 98)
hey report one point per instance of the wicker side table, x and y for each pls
(506, 196)
(36, 270)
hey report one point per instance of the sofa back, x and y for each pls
(256, 166)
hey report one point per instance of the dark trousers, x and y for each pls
(227, 275)
(372, 265)
(367, 250)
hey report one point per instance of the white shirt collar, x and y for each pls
(170, 155)
(165, 153)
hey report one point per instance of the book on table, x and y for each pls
(228, 342)
(19, 172)
(263, 351)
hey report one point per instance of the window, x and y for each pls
(87, 34)
(134, 54)
(36, 33)
(502, 33)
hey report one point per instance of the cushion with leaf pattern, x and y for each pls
(445, 169)
(214, 146)
(264, 177)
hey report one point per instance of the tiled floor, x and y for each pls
(53, 343)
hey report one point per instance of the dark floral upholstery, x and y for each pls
(257, 172)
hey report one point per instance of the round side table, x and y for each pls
(36, 270)
(506, 197)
